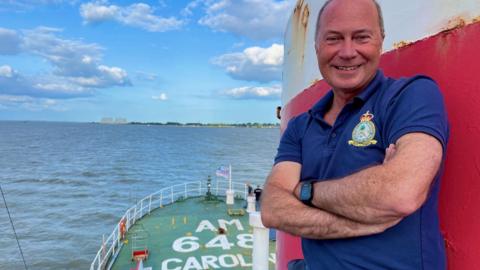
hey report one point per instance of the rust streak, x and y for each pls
(300, 18)
(298, 7)
(452, 25)
(455, 23)
(401, 44)
(305, 15)
(315, 81)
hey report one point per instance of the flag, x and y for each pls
(223, 171)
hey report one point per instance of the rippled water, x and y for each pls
(66, 184)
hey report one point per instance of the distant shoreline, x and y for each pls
(167, 124)
(219, 125)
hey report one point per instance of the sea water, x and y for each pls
(67, 184)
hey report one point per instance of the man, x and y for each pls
(258, 193)
(357, 176)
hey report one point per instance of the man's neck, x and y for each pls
(339, 101)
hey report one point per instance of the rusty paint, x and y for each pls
(305, 16)
(452, 25)
(298, 7)
(315, 81)
(299, 20)
(448, 243)
(401, 44)
(455, 23)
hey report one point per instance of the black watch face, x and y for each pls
(306, 192)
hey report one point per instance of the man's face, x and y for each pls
(349, 44)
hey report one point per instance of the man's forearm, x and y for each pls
(359, 197)
(281, 210)
(386, 192)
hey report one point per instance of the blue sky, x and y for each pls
(168, 60)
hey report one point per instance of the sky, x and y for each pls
(209, 61)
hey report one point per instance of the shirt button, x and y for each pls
(334, 135)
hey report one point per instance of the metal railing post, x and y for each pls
(260, 242)
(135, 214)
(161, 198)
(150, 205)
(119, 234)
(113, 244)
(102, 256)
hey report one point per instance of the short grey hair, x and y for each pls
(379, 12)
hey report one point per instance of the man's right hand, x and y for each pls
(282, 210)
(389, 153)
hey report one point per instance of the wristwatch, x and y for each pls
(306, 192)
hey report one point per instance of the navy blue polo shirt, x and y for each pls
(386, 110)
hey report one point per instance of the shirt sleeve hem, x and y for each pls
(287, 158)
(421, 129)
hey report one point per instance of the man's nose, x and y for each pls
(348, 50)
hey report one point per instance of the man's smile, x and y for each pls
(347, 68)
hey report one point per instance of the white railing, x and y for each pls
(112, 244)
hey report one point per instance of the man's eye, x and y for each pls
(332, 39)
(362, 38)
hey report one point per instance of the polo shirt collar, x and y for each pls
(372, 87)
(321, 107)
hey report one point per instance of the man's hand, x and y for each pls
(283, 211)
(386, 192)
(389, 153)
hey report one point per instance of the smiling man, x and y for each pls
(357, 176)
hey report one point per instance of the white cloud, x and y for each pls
(146, 76)
(139, 15)
(9, 41)
(47, 86)
(113, 75)
(104, 77)
(256, 19)
(97, 12)
(6, 71)
(253, 64)
(77, 68)
(21, 5)
(188, 10)
(69, 57)
(29, 103)
(247, 92)
(161, 97)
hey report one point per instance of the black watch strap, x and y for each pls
(306, 192)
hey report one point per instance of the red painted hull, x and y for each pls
(452, 58)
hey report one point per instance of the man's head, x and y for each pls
(379, 14)
(348, 42)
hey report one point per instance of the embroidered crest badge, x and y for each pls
(364, 132)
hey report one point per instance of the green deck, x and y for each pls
(193, 225)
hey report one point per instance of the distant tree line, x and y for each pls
(248, 125)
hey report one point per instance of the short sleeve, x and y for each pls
(290, 148)
(419, 107)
